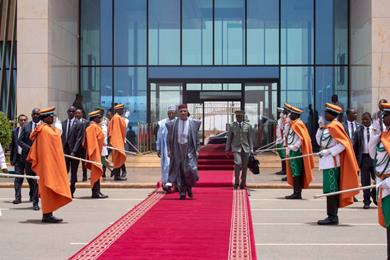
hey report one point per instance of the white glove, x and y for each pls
(324, 152)
(321, 122)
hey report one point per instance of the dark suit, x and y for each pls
(72, 144)
(25, 143)
(366, 164)
(356, 127)
(85, 124)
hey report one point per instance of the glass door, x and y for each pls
(261, 101)
(163, 95)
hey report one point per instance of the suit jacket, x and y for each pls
(358, 145)
(24, 140)
(345, 124)
(14, 145)
(72, 142)
(239, 138)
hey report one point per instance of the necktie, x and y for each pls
(368, 135)
(33, 127)
(68, 130)
(240, 125)
(352, 130)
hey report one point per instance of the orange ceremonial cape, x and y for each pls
(117, 134)
(385, 139)
(94, 139)
(349, 167)
(308, 162)
(48, 162)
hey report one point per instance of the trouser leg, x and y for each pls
(123, 169)
(18, 182)
(33, 185)
(284, 167)
(332, 206)
(365, 179)
(245, 158)
(96, 188)
(73, 175)
(298, 185)
(237, 168)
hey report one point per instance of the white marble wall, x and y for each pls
(47, 54)
(361, 56)
(370, 53)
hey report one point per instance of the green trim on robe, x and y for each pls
(282, 153)
(331, 180)
(386, 210)
(296, 165)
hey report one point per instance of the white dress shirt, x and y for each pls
(365, 141)
(351, 128)
(280, 132)
(326, 141)
(183, 130)
(3, 165)
(19, 148)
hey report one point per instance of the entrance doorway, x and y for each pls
(214, 104)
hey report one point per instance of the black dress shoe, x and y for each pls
(51, 219)
(242, 187)
(284, 179)
(280, 173)
(36, 207)
(190, 194)
(17, 201)
(235, 186)
(293, 196)
(329, 221)
(366, 206)
(99, 195)
(120, 179)
(182, 196)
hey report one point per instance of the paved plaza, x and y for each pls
(283, 229)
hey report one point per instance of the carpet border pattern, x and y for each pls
(104, 240)
(240, 232)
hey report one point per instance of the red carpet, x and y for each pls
(216, 224)
(212, 157)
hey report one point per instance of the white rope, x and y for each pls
(300, 156)
(84, 160)
(349, 190)
(120, 150)
(19, 176)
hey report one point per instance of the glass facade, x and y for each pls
(130, 49)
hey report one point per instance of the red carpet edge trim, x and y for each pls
(240, 231)
(105, 239)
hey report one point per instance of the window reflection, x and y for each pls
(96, 87)
(164, 32)
(130, 32)
(197, 32)
(263, 31)
(130, 89)
(229, 32)
(96, 32)
(297, 31)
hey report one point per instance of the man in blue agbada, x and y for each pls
(161, 147)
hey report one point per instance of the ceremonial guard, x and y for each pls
(299, 170)
(48, 163)
(281, 137)
(338, 162)
(116, 138)
(240, 141)
(94, 139)
(162, 147)
(379, 148)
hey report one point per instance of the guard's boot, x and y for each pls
(297, 185)
(118, 176)
(96, 194)
(124, 172)
(49, 218)
(388, 243)
(332, 206)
